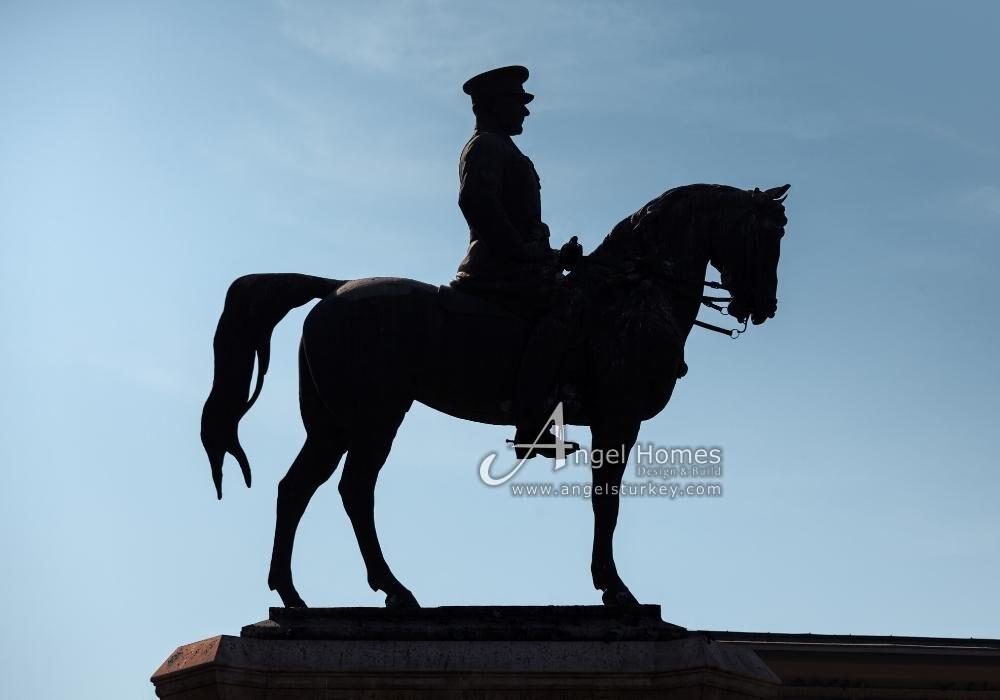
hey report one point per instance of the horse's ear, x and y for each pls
(776, 192)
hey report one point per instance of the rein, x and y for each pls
(710, 302)
(662, 273)
(664, 277)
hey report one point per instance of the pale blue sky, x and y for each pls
(152, 152)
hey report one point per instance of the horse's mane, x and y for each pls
(671, 211)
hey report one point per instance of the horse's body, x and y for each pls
(384, 342)
(410, 341)
(372, 347)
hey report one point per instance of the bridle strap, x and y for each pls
(733, 333)
(710, 302)
(750, 253)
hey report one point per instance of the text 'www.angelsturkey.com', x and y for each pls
(625, 489)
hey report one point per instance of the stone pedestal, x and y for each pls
(487, 653)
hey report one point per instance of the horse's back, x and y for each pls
(380, 288)
(385, 341)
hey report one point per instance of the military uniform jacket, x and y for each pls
(500, 196)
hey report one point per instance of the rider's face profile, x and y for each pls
(509, 115)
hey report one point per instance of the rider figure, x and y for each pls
(509, 259)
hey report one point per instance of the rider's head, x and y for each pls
(499, 99)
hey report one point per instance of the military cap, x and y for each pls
(508, 81)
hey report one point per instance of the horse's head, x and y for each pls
(746, 254)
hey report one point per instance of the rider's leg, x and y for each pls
(544, 353)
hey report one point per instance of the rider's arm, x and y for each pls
(479, 196)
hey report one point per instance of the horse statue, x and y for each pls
(371, 347)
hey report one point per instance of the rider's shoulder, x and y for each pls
(489, 141)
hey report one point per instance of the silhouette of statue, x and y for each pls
(371, 347)
(509, 259)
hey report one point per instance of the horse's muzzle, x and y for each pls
(770, 307)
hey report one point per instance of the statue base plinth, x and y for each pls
(464, 652)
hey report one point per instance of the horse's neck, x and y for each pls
(687, 252)
(676, 267)
(684, 250)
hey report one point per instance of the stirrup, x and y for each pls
(549, 451)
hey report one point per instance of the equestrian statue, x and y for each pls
(522, 329)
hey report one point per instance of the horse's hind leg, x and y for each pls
(314, 464)
(368, 452)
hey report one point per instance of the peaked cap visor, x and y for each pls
(506, 81)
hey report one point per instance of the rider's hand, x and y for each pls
(537, 252)
(570, 254)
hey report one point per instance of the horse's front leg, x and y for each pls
(611, 444)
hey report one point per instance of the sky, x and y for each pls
(150, 153)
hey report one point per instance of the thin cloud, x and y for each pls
(444, 42)
(305, 136)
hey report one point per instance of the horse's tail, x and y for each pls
(255, 304)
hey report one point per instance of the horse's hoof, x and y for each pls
(403, 600)
(621, 598)
(292, 600)
(290, 597)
